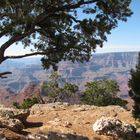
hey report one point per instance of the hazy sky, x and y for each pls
(126, 37)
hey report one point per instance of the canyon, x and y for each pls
(28, 74)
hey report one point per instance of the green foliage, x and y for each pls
(119, 101)
(27, 103)
(134, 92)
(56, 28)
(52, 88)
(102, 93)
(68, 91)
(16, 105)
(55, 92)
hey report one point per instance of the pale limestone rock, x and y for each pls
(35, 136)
(12, 124)
(114, 127)
(19, 114)
(13, 119)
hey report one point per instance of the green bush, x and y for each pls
(27, 103)
(16, 105)
(119, 101)
(102, 93)
(68, 91)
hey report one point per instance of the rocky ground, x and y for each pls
(59, 121)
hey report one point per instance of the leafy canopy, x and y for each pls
(59, 29)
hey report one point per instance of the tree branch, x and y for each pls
(2, 75)
(74, 19)
(15, 39)
(3, 33)
(10, 42)
(24, 55)
(72, 6)
(80, 3)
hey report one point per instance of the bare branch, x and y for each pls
(74, 19)
(24, 55)
(2, 75)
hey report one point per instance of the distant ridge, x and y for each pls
(115, 65)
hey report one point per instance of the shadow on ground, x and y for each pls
(63, 136)
(33, 124)
(137, 136)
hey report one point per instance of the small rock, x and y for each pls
(114, 114)
(87, 122)
(36, 136)
(79, 109)
(55, 122)
(67, 124)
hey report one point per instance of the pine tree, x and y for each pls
(134, 92)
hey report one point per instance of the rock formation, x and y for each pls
(114, 127)
(13, 119)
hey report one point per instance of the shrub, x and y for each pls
(102, 93)
(119, 101)
(27, 103)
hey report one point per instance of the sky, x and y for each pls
(126, 37)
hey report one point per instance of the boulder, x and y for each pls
(13, 119)
(114, 127)
(6, 134)
(19, 114)
(12, 124)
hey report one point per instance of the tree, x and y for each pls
(102, 93)
(52, 88)
(55, 28)
(69, 91)
(134, 92)
(59, 92)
